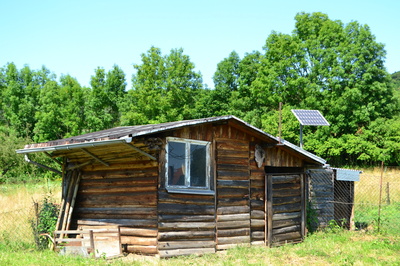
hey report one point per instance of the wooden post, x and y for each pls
(92, 243)
(269, 209)
(387, 194)
(303, 205)
(73, 201)
(380, 198)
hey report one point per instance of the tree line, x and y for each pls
(323, 64)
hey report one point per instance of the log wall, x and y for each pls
(186, 222)
(257, 199)
(123, 194)
(233, 187)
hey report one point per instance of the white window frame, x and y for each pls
(187, 189)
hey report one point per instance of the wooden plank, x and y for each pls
(122, 166)
(285, 216)
(186, 225)
(281, 186)
(175, 235)
(296, 207)
(167, 208)
(285, 223)
(186, 218)
(233, 210)
(287, 236)
(233, 217)
(287, 200)
(230, 173)
(232, 192)
(233, 224)
(119, 210)
(233, 240)
(123, 189)
(142, 241)
(138, 173)
(287, 193)
(233, 232)
(123, 222)
(187, 251)
(257, 223)
(184, 244)
(233, 184)
(277, 179)
(256, 214)
(287, 229)
(142, 249)
(228, 246)
(128, 231)
(257, 235)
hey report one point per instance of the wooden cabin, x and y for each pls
(186, 187)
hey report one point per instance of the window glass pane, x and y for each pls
(198, 165)
(176, 164)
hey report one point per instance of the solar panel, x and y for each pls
(310, 117)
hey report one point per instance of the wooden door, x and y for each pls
(285, 207)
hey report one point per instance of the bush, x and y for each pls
(45, 222)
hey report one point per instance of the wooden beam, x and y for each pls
(141, 152)
(95, 157)
(51, 157)
(79, 165)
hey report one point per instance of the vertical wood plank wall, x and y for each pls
(123, 194)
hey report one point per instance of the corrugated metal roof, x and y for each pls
(142, 130)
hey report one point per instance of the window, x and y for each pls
(188, 166)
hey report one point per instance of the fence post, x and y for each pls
(380, 199)
(387, 194)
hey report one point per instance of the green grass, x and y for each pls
(331, 247)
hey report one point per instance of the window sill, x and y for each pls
(190, 191)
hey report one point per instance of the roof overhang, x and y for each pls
(72, 146)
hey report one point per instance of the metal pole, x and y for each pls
(301, 136)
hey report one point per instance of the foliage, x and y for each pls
(323, 64)
(44, 223)
(164, 89)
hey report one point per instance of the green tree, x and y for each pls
(20, 91)
(73, 106)
(50, 121)
(329, 66)
(107, 91)
(164, 88)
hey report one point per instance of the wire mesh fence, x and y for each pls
(377, 200)
(16, 227)
(370, 204)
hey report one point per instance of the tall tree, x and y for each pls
(73, 106)
(164, 88)
(327, 66)
(335, 68)
(107, 90)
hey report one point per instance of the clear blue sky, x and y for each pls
(76, 36)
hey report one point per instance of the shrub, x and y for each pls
(45, 222)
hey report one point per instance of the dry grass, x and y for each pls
(367, 190)
(17, 208)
